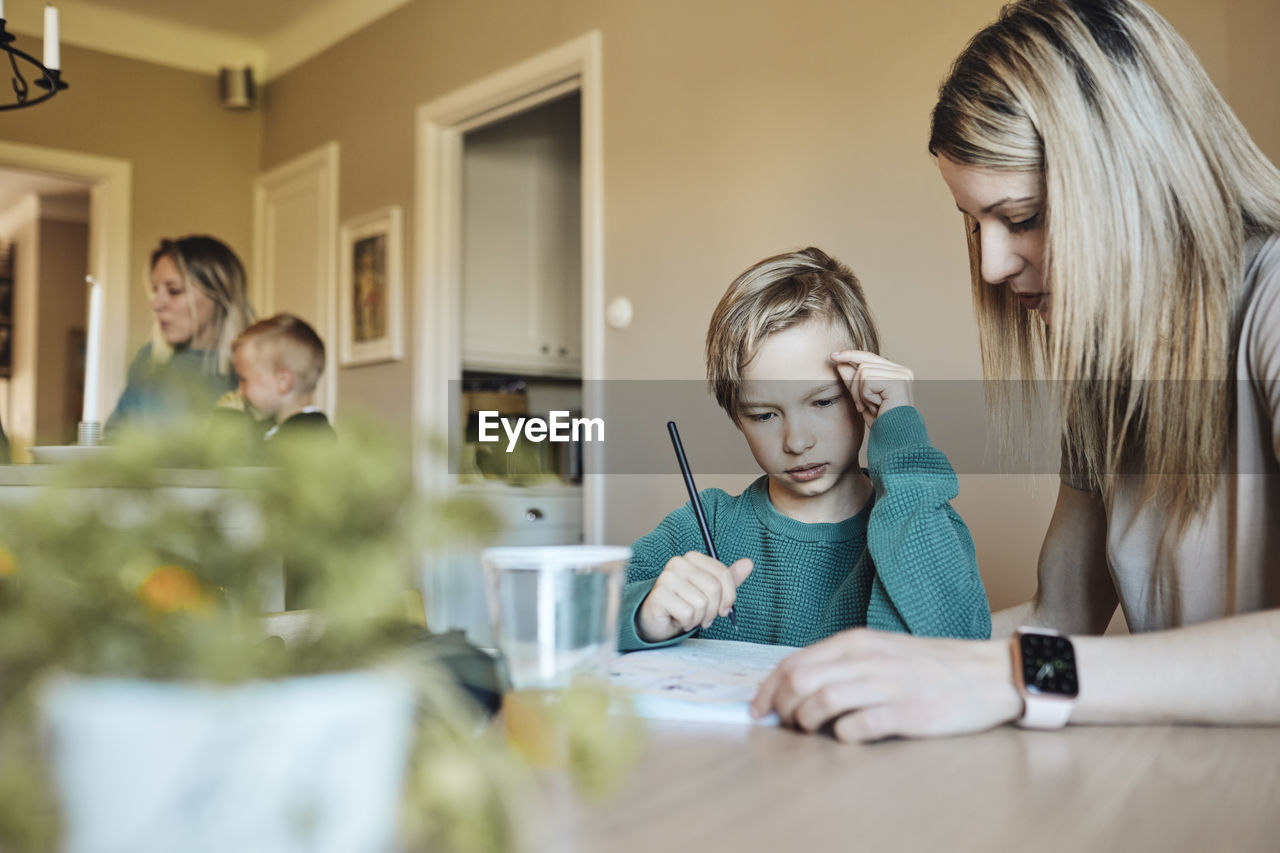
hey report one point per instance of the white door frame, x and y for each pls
(574, 66)
(110, 228)
(316, 170)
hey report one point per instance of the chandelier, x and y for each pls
(44, 75)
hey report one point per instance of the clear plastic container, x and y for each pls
(554, 610)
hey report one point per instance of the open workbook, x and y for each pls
(701, 680)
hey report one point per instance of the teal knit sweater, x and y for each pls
(904, 563)
(157, 395)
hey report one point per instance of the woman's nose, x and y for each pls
(157, 299)
(999, 260)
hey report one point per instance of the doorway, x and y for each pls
(295, 229)
(77, 193)
(443, 125)
(503, 165)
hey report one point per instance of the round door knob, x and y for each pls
(533, 514)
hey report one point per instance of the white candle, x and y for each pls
(93, 343)
(52, 60)
(1, 10)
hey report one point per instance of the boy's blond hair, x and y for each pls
(775, 294)
(289, 342)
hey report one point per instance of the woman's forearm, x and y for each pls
(1221, 672)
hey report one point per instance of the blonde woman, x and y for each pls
(1124, 228)
(201, 304)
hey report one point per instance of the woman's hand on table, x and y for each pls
(873, 684)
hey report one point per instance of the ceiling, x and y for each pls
(253, 19)
(271, 36)
(62, 198)
(14, 184)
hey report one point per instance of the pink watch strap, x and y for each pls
(1044, 712)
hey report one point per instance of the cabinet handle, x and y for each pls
(564, 350)
(533, 514)
(545, 349)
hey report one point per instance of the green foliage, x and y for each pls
(153, 559)
(343, 518)
(603, 745)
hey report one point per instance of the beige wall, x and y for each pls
(1254, 69)
(193, 161)
(734, 128)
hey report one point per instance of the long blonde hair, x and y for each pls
(1152, 188)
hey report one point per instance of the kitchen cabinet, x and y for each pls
(520, 342)
(521, 244)
(453, 582)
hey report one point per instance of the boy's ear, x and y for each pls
(284, 380)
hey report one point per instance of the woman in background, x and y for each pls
(201, 304)
(1125, 243)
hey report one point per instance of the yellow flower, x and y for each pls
(170, 589)
(8, 566)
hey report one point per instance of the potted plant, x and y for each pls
(146, 705)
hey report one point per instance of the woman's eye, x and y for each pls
(761, 418)
(828, 401)
(1025, 225)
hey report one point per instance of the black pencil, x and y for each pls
(697, 504)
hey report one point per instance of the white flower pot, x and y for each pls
(310, 764)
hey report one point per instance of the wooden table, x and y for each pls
(702, 788)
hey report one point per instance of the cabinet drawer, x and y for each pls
(538, 536)
(527, 513)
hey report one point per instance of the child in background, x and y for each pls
(279, 361)
(817, 544)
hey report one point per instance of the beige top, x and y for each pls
(1228, 561)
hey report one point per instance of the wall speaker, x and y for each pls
(236, 86)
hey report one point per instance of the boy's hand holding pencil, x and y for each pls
(692, 592)
(875, 383)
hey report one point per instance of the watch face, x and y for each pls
(1048, 665)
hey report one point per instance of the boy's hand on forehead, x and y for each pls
(875, 383)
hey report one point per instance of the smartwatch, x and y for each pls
(1044, 671)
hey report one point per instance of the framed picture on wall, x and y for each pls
(371, 288)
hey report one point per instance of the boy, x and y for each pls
(279, 361)
(816, 545)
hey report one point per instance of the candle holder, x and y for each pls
(48, 79)
(89, 434)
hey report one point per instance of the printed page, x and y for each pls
(707, 680)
